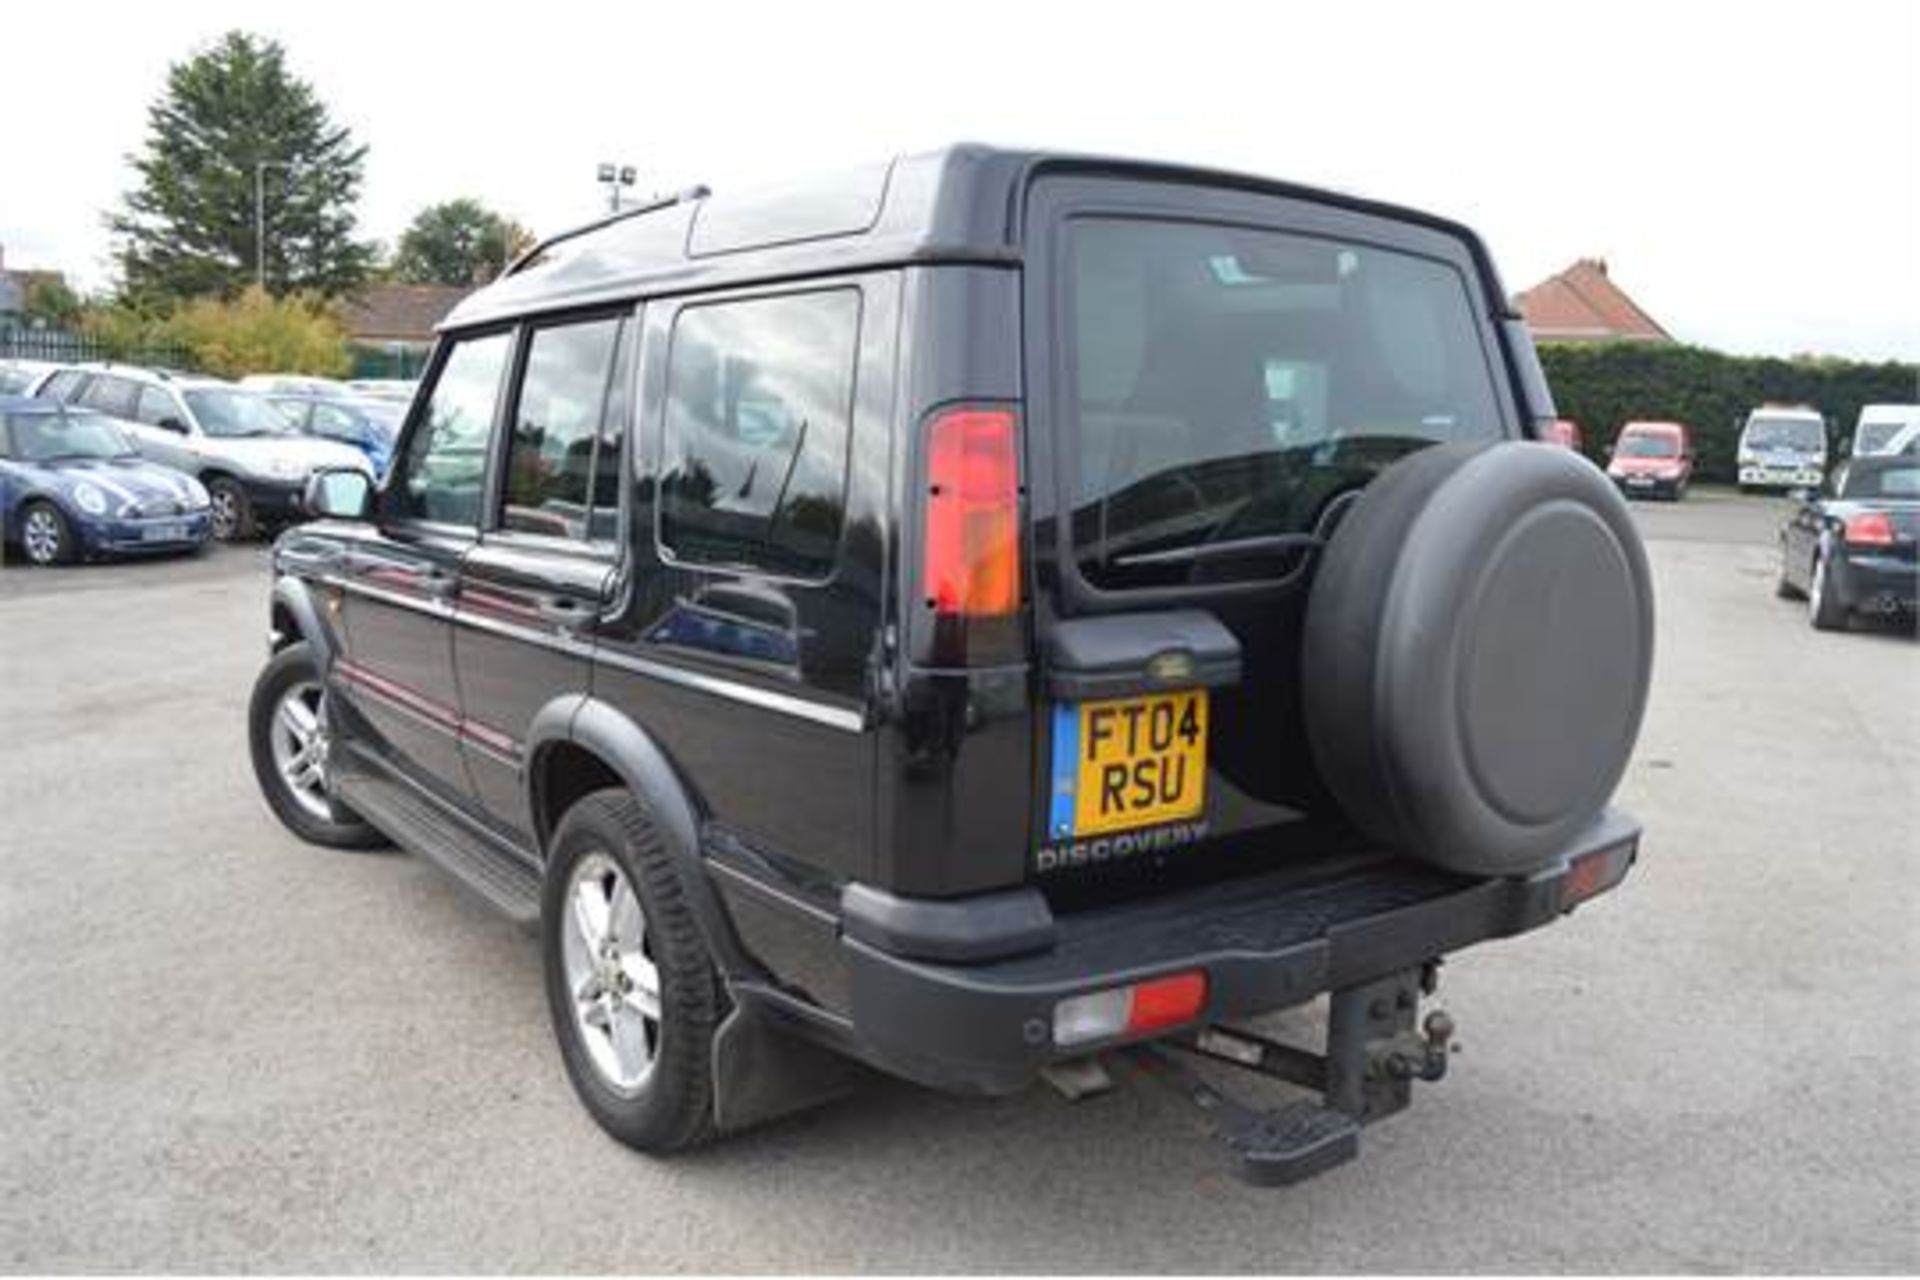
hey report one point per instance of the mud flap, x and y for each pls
(761, 1072)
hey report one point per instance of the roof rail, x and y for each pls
(696, 192)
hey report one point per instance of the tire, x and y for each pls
(276, 744)
(1783, 587)
(658, 1096)
(1478, 648)
(45, 535)
(232, 510)
(1823, 609)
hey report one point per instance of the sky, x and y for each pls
(1750, 172)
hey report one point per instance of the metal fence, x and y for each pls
(61, 347)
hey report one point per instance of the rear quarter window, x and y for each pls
(754, 456)
(1227, 383)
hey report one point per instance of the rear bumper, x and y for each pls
(1264, 943)
(1875, 584)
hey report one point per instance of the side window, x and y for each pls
(63, 385)
(154, 404)
(440, 476)
(111, 396)
(554, 456)
(759, 402)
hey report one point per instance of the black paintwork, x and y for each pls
(1884, 579)
(796, 741)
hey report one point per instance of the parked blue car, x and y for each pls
(368, 425)
(73, 486)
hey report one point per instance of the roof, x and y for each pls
(960, 204)
(400, 312)
(1583, 303)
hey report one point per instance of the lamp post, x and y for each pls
(614, 177)
(260, 168)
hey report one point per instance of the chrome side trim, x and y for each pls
(833, 717)
(419, 604)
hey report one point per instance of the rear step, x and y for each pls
(471, 855)
(1373, 1057)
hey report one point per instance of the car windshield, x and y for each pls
(1897, 482)
(384, 414)
(221, 412)
(1227, 384)
(1801, 435)
(55, 437)
(1649, 445)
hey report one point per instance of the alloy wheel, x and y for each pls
(610, 973)
(226, 513)
(40, 534)
(300, 746)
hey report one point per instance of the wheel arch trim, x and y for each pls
(644, 768)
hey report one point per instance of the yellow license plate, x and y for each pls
(1128, 762)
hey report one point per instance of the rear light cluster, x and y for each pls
(1870, 529)
(1592, 874)
(1142, 1008)
(970, 560)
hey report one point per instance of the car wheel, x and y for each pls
(45, 535)
(232, 512)
(291, 743)
(1823, 609)
(633, 994)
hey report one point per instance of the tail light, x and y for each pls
(1870, 529)
(1140, 1009)
(970, 566)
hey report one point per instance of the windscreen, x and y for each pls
(1228, 383)
(236, 413)
(1649, 445)
(60, 437)
(1798, 435)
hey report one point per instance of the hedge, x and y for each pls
(1603, 385)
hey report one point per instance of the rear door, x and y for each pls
(403, 577)
(1213, 377)
(533, 589)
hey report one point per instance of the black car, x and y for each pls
(1849, 548)
(971, 616)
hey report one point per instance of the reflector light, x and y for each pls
(1136, 1010)
(971, 565)
(1591, 874)
(1870, 529)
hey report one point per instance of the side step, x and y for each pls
(472, 855)
(1270, 1148)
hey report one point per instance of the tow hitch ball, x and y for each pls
(1411, 1057)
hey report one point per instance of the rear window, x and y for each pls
(1882, 482)
(1229, 383)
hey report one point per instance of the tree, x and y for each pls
(459, 242)
(52, 303)
(257, 333)
(190, 228)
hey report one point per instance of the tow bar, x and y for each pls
(1373, 1056)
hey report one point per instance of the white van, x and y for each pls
(1783, 447)
(1879, 424)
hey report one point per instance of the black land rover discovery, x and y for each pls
(970, 616)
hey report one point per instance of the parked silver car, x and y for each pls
(254, 464)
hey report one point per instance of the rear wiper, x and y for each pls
(1268, 544)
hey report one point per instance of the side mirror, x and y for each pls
(339, 493)
(173, 424)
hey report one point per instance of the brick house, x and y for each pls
(1583, 304)
(391, 325)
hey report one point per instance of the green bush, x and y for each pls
(258, 333)
(1604, 385)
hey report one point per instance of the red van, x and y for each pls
(1652, 459)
